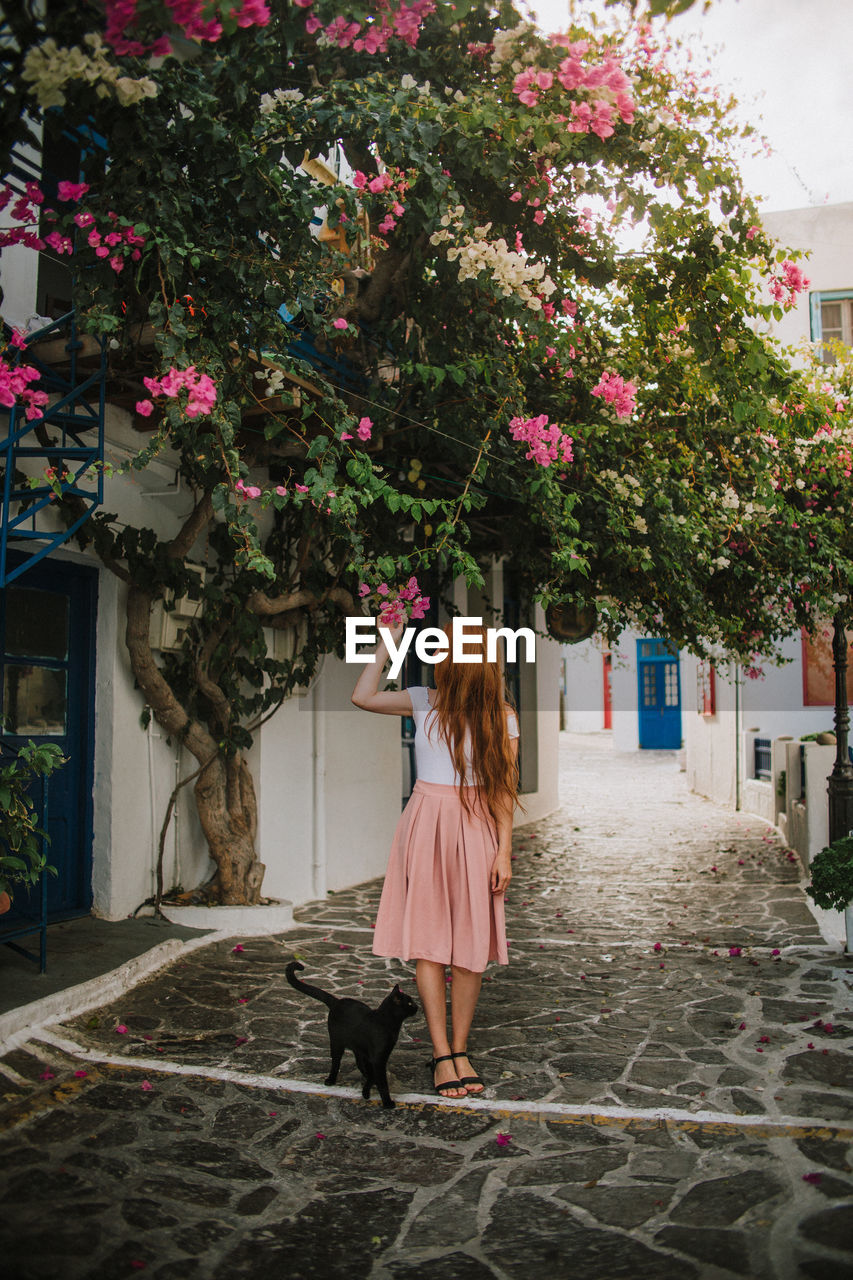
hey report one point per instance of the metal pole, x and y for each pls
(840, 785)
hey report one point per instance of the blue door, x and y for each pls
(659, 695)
(47, 654)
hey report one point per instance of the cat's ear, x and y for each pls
(397, 991)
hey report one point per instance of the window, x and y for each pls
(832, 320)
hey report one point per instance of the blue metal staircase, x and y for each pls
(72, 445)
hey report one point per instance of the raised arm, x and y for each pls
(366, 693)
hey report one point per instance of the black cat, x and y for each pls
(370, 1033)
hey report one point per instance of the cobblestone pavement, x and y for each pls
(668, 1054)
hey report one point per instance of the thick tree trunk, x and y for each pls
(225, 794)
(225, 797)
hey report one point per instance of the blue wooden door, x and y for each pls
(659, 695)
(47, 651)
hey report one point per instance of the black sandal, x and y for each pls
(466, 1080)
(447, 1084)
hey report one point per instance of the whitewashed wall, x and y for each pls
(541, 723)
(584, 699)
(710, 742)
(826, 232)
(770, 707)
(624, 695)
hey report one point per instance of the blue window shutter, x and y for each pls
(814, 317)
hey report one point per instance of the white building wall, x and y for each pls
(584, 686)
(541, 722)
(718, 748)
(826, 233)
(710, 742)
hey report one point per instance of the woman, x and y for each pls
(443, 898)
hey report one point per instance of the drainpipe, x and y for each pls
(152, 797)
(318, 791)
(738, 737)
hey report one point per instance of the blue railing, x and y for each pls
(76, 410)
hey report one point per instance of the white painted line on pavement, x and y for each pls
(559, 1110)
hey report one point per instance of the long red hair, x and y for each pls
(471, 696)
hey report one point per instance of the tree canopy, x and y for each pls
(405, 287)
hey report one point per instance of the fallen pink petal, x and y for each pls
(503, 1139)
(813, 1178)
(146, 1086)
(80, 1075)
(238, 949)
(121, 1029)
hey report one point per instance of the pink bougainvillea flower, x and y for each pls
(657, 947)
(121, 1029)
(302, 488)
(18, 339)
(346, 435)
(503, 1139)
(752, 233)
(146, 1086)
(282, 492)
(236, 950)
(144, 408)
(80, 1075)
(364, 589)
(742, 1027)
(71, 190)
(365, 429)
(242, 1000)
(735, 951)
(775, 952)
(320, 1136)
(340, 323)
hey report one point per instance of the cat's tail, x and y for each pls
(290, 974)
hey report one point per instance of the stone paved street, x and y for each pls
(668, 1056)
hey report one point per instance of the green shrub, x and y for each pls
(22, 859)
(832, 875)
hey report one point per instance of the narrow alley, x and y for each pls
(668, 1057)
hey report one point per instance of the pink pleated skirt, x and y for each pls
(437, 902)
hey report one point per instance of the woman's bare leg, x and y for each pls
(464, 993)
(432, 988)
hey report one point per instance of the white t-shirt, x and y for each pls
(433, 761)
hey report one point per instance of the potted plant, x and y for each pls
(832, 881)
(22, 858)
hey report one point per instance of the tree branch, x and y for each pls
(267, 607)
